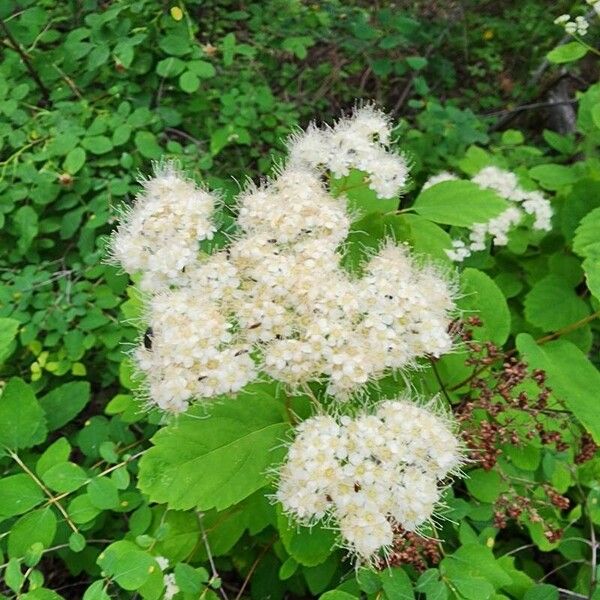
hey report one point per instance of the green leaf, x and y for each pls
(542, 591)
(553, 176)
(552, 304)
(427, 237)
(308, 546)
(460, 203)
(97, 591)
(214, 461)
(129, 566)
(74, 160)
(58, 452)
(202, 69)
(38, 526)
(587, 241)
(22, 419)
(570, 375)
(97, 144)
(482, 297)
(337, 595)
(485, 485)
(65, 477)
(65, 402)
(103, 493)
(8, 332)
(591, 267)
(190, 580)
(431, 585)
(26, 224)
(396, 584)
(145, 142)
(189, 82)
(368, 580)
(567, 53)
(176, 44)
(19, 494)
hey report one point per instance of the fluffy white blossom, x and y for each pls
(277, 299)
(579, 25)
(369, 474)
(358, 142)
(506, 185)
(158, 236)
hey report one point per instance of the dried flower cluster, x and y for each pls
(277, 299)
(370, 474)
(506, 185)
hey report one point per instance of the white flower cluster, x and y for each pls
(359, 142)
(506, 185)
(171, 587)
(367, 475)
(579, 25)
(159, 236)
(277, 300)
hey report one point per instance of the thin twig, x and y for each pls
(252, 569)
(211, 562)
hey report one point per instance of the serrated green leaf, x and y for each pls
(485, 485)
(215, 461)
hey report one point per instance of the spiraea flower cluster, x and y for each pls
(277, 300)
(369, 475)
(523, 203)
(359, 142)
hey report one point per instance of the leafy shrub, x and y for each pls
(101, 498)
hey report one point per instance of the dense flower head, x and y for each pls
(523, 202)
(277, 299)
(364, 475)
(159, 234)
(358, 142)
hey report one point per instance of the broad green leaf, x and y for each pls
(553, 176)
(189, 82)
(176, 44)
(482, 297)
(202, 69)
(189, 579)
(427, 238)
(217, 460)
(19, 494)
(81, 509)
(460, 203)
(103, 493)
(591, 267)
(74, 160)
(542, 591)
(8, 333)
(570, 375)
(65, 477)
(26, 224)
(587, 236)
(65, 402)
(58, 452)
(478, 561)
(485, 485)
(97, 144)
(431, 585)
(38, 526)
(309, 546)
(97, 591)
(567, 53)
(337, 595)
(22, 419)
(129, 566)
(396, 584)
(146, 143)
(368, 580)
(552, 304)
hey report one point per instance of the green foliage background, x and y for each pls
(87, 502)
